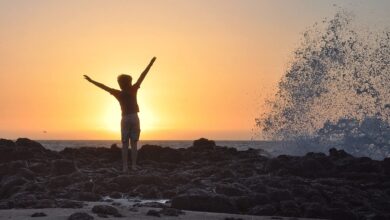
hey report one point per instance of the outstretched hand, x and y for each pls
(153, 59)
(87, 78)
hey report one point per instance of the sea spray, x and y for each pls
(339, 72)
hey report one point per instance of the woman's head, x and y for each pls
(124, 81)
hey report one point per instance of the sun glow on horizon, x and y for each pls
(213, 60)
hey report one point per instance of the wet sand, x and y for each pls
(141, 214)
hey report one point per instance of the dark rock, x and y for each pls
(278, 195)
(114, 147)
(87, 196)
(25, 142)
(124, 182)
(153, 213)
(203, 177)
(149, 180)
(63, 167)
(101, 215)
(244, 203)
(10, 185)
(340, 214)
(60, 181)
(338, 154)
(80, 216)
(39, 214)
(273, 165)
(24, 200)
(171, 212)
(20, 152)
(16, 165)
(116, 195)
(105, 210)
(386, 165)
(289, 208)
(66, 203)
(159, 154)
(6, 204)
(39, 167)
(44, 203)
(147, 191)
(203, 144)
(235, 189)
(207, 203)
(26, 173)
(5, 142)
(133, 209)
(268, 209)
(313, 210)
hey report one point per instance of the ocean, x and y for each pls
(58, 145)
(270, 148)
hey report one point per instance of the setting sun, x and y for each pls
(215, 63)
(194, 109)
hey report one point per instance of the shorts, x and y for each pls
(130, 128)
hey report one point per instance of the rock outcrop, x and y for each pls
(204, 177)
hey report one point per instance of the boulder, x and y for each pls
(203, 144)
(313, 210)
(59, 181)
(338, 154)
(80, 216)
(267, 209)
(10, 185)
(40, 167)
(38, 214)
(6, 142)
(278, 195)
(340, 214)
(171, 211)
(105, 210)
(290, 208)
(234, 189)
(24, 200)
(44, 203)
(5, 204)
(62, 167)
(25, 142)
(154, 213)
(159, 154)
(124, 183)
(87, 196)
(147, 192)
(67, 203)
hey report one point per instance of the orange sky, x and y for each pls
(216, 60)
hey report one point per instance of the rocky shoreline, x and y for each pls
(204, 177)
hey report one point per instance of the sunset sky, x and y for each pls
(216, 62)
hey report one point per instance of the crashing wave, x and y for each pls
(340, 73)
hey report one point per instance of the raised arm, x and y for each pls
(143, 74)
(98, 84)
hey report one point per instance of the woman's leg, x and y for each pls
(125, 147)
(134, 154)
